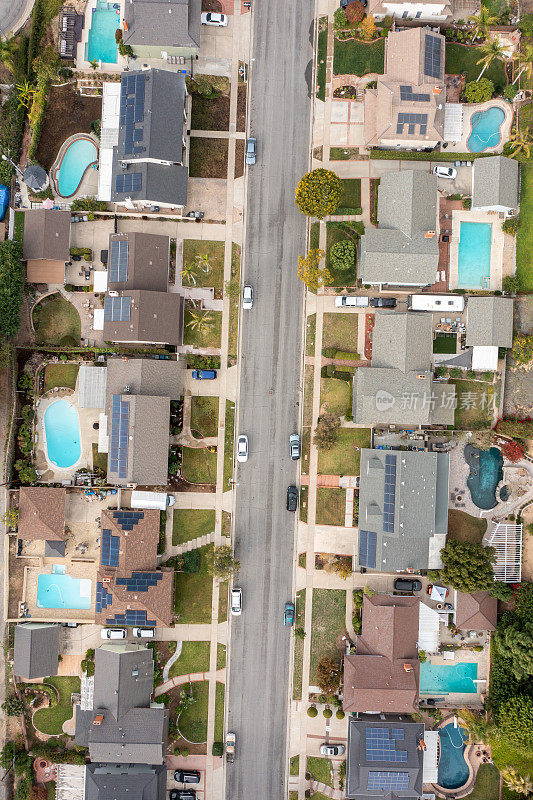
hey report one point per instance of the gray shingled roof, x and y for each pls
(36, 650)
(46, 235)
(160, 183)
(489, 322)
(124, 781)
(163, 23)
(146, 376)
(402, 341)
(407, 201)
(147, 260)
(155, 317)
(496, 182)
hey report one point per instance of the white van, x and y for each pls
(144, 633)
(157, 500)
(113, 633)
(351, 300)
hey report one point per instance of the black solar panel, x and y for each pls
(367, 549)
(432, 56)
(110, 547)
(118, 448)
(387, 781)
(381, 747)
(129, 181)
(389, 498)
(407, 94)
(117, 309)
(118, 260)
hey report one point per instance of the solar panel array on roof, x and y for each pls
(389, 494)
(118, 260)
(397, 733)
(367, 549)
(411, 120)
(117, 309)
(132, 93)
(127, 519)
(387, 781)
(129, 182)
(381, 747)
(103, 598)
(432, 56)
(407, 94)
(131, 617)
(110, 547)
(140, 581)
(120, 426)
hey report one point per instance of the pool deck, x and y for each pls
(497, 246)
(469, 109)
(81, 63)
(88, 186)
(468, 699)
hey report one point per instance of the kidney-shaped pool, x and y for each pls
(78, 157)
(453, 769)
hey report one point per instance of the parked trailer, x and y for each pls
(447, 303)
(158, 500)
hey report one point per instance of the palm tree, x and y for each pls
(200, 321)
(480, 728)
(515, 782)
(521, 143)
(94, 64)
(202, 261)
(25, 91)
(482, 22)
(494, 51)
(189, 272)
(526, 62)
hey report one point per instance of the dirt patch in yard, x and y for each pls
(241, 107)
(210, 115)
(66, 113)
(239, 158)
(208, 158)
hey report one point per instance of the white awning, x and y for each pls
(103, 438)
(507, 541)
(453, 122)
(430, 764)
(91, 386)
(438, 593)
(100, 280)
(485, 357)
(428, 629)
(98, 321)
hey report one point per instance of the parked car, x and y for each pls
(292, 498)
(187, 776)
(182, 794)
(351, 300)
(204, 374)
(288, 613)
(242, 448)
(294, 442)
(251, 150)
(247, 297)
(445, 172)
(407, 585)
(332, 749)
(212, 18)
(383, 302)
(113, 633)
(144, 633)
(236, 602)
(230, 747)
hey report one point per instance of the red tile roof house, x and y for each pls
(476, 612)
(42, 513)
(383, 677)
(130, 588)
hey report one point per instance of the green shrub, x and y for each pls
(218, 749)
(510, 92)
(339, 19)
(328, 713)
(479, 91)
(312, 712)
(184, 752)
(467, 203)
(511, 284)
(340, 713)
(510, 226)
(191, 561)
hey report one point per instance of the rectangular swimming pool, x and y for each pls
(474, 255)
(446, 678)
(63, 591)
(101, 45)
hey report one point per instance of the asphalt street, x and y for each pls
(13, 13)
(279, 116)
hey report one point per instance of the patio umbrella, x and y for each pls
(48, 203)
(438, 593)
(35, 177)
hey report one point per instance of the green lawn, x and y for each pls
(58, 323)
(199, 465)
(505, 755)
(330, 506)
(329, 621)
(320, 769)
(314, 237)
(193, 250)
(322, 47)
(445, 343)
(192, 722)
(343, 153)
(340, 332)
(461, 60)
(194, 658)
(335, 396)
(229, 441)
(294, 765)
(233, 334)
(204, 417)
(63, 375)
(219, 712)
(190, 524)
(299, 622)
(193, 592)
(19, 226)
(304, 499)
(344, 458)
(487, 786)
(207, 338)
(99, 459)
(223, 590)
(310, 335)
(471, 395)
(358, 58)
(351, 196)
(221, 656)
(308, 394)
(50, 720)
(464, 528)
(524, 237)
(341, 232)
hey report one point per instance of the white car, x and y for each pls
(144, 633)
(242, 448)
(212, 18)
(349, 300)
(113, 633)
(445, 172)
(247, 297)
(332, 749)
(236, 602)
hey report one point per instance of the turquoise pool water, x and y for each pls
(62, 591)
(453, 769)
(101, 45)
(474, 254)
(485, 129)
(486, 471)
(445, 678)
(62, 429)
(75, 161)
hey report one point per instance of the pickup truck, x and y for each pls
(351, 300)
(230, 747)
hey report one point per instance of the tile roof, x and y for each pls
(36, 653)
(477, 611)
(46, 235)
(41, 513)
(147, 258)
(489, 322)
(496, 183)
(154, 318)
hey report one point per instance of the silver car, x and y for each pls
(332, 749)
(294, 443)
(247, 297)
(251, 150)
(242, 448)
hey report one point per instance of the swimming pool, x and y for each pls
(102, 45)
(63, 591)
(79, 155)
(62, 428)
(485, 130)
(453, 769)
(486, 471)
(445, 678)
(474, 255)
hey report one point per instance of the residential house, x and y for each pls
(383, 677)
(406, 109)
(398, 388)
(477, 611)
(143, 145)
(404, 249)
(403, 509)
(496, 182)
(46, 246)
(123, 781)
(423, 10)
(489, 326)
(36, 653)
(389, 759)
(162, 29)
(130, 589)
(122, 727)
(42, 516)
(138, 395)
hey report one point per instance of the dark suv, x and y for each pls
(187, 776)
(182, 794)
(407, 585)
(292, 498)
(383, 302)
